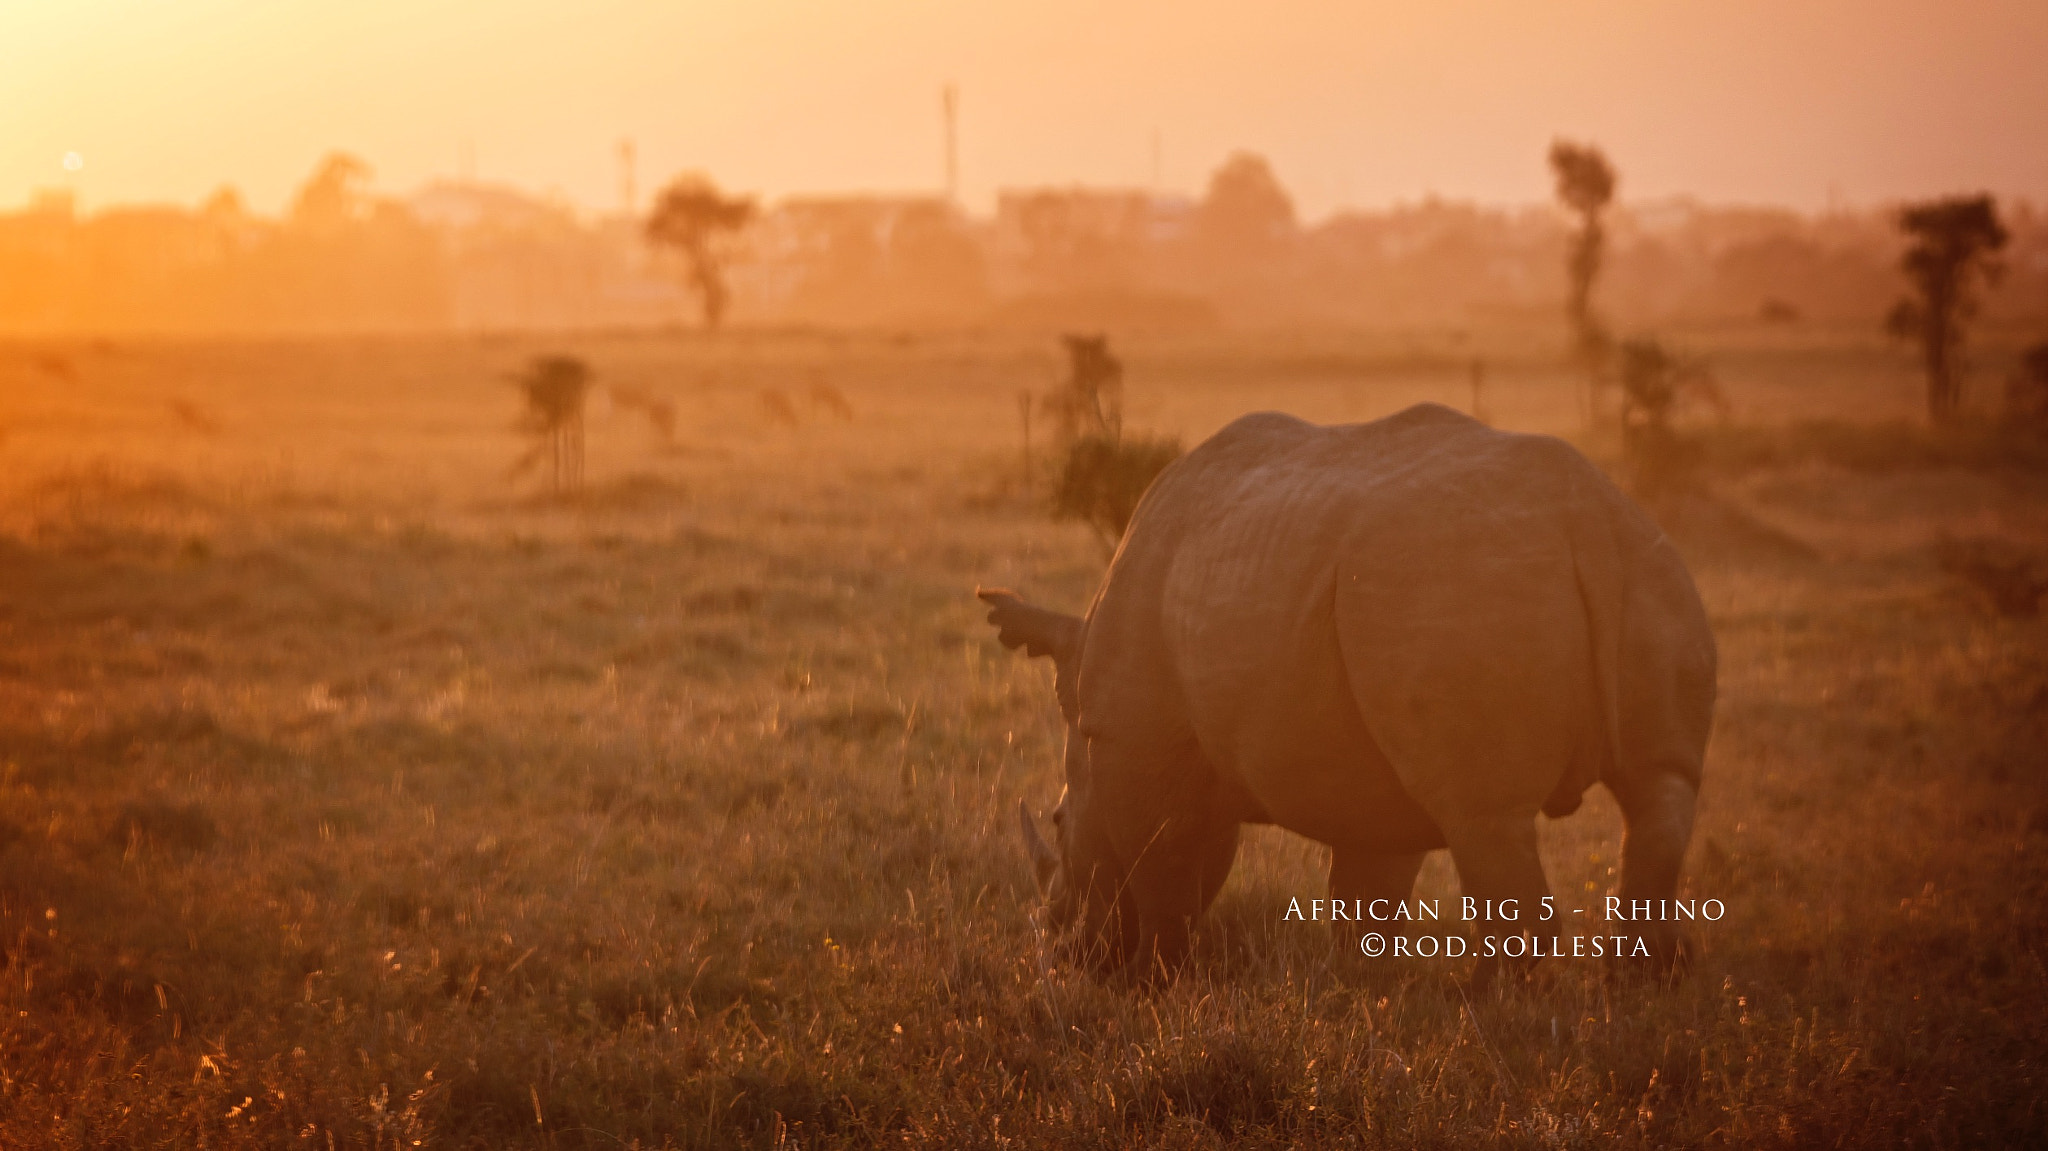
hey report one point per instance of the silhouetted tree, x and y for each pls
(1102, 473)
(1585, 185)
(1091, 402)
(1952, 251)
(1101, 481)
(554, 387)
(344, 259)
(1655, 384)
(690, 215)
(1245, 208)
(335, 195)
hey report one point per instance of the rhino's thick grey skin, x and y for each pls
(1390, 637)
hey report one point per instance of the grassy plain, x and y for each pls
(353, 795)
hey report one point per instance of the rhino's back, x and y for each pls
(1348, 618)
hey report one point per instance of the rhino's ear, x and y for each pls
(1039, 632)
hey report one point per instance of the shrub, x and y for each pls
(554, 387)
(2026, 392)
(1102, 479)
(2003, 575)
(1655, 384)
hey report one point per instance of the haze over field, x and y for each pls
(494, 497)
(1356, 104)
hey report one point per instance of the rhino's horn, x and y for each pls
(1044, 861)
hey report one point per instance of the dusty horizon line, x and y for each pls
(37, 196)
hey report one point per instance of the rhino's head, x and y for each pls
(1077, 872)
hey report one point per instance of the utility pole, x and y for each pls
(949, 104)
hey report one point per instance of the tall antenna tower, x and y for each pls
(949, 105)
(627, 192)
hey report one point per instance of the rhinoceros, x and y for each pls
(1390, 637)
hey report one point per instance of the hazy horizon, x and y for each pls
(1835, 102)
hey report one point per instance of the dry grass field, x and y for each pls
(355, 795)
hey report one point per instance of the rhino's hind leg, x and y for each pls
(1500, 873)
(1658, 811)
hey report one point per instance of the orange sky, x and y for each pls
(1355, 102)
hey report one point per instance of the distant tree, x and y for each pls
(1102, 472)
(1655, 384)
(1952, 250)
(1091, 402)
(334, 196)
(345, 259)
(690, 216)
(225, 205)
(1101, 480)
(554, 389)
(1585, 185)
(1245, 207)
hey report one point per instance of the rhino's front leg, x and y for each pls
(1172, 884)
(1658, 811)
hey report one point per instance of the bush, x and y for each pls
(2026, 392)
(1102, 479)
(554, 387)
(1656, 383)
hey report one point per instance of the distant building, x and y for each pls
(518, 262)
(862, 259)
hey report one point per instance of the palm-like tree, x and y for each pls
(1585, 185)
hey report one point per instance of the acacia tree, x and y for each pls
(690, 216)
(1585, 185)
(1952, 251)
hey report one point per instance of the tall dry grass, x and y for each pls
(343, 800)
